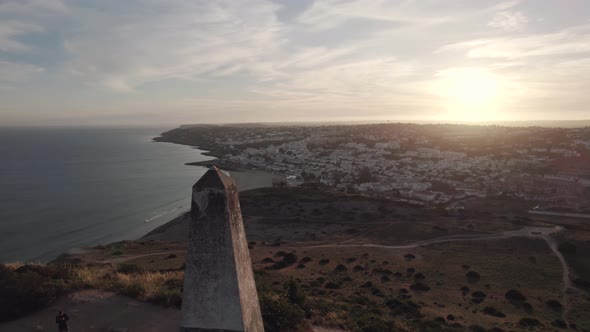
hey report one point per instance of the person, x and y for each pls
(62, 322)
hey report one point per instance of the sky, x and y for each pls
(150, 62)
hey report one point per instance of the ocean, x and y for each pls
(68, 188)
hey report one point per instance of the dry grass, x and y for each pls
(147, 286)
(37, 285)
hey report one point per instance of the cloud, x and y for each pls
(11, 30)
(12, 71)
(181, 40)
(505, 5)
(508, 21)
(338, 58)
(32, 7)
(24, 18)
(328, 14)
(569, 41)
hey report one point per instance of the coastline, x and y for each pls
(208, 149)
(227, 166)
(91, 186)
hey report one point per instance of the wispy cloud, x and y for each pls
(32, 7)
(188, 40)
(508, 21)
(245, 59)
(13, 71)
(569, 41)
(331, 13)
(11, 31)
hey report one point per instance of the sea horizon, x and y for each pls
(568, 123)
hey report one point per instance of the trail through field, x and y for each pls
(567, 283)
(531, 232)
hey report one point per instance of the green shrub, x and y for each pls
(24, 292)
(493, 312)
(278, 265)
(582, 283)
(515, 296)
(306, 259)
(367, 284)
(294, 293)
(290, 258)
(129, 268)
(404, 308)
(567, 248)
(419, 287)
(372, 323)
(279, 314)
(409, 257)
(478, 297)
(377, 292)
(559, 323)
(476, 328)
(428, 326)
(529, 322)
(332, 285)
(527, 307)
(340, 268)
(168, 297)
(32, 288)
(133, 290)
(554, 305)
(472, 276)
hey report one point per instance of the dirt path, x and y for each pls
(567, 283)
(534, 232)
(92, 310)
(523, 232)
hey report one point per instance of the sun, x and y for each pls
(470, 94)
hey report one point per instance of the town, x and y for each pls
(433, 164)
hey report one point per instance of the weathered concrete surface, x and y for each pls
(219, 289)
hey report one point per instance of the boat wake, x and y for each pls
(161, 214)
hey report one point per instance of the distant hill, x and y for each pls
(534, 123)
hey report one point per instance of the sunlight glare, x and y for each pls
(471, 94)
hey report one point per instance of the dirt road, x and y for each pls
(531, 232)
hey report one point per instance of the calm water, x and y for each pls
(69, 188)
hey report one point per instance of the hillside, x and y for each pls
(371, 264)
